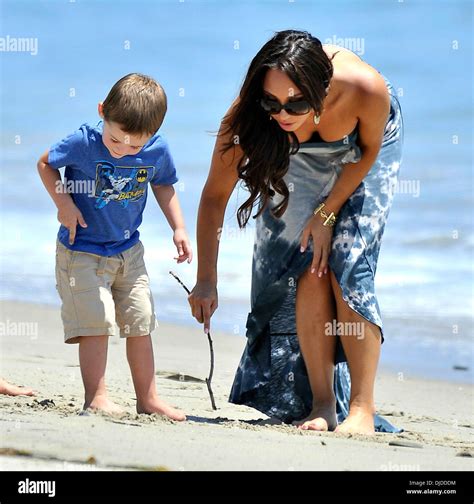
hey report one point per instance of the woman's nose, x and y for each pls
(283, 114)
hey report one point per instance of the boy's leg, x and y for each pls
(142, 366)
(135, 312)
(84, 284)
(93, 360)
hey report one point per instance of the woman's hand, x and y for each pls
(203, 302)
(322, 239)
(183, 246)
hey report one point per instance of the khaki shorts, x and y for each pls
(98, 291)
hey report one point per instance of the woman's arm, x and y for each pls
(222, 178)
(217, 190)
(374, 106)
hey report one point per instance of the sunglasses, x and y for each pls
(273, 107)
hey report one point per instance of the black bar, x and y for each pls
(287, 483)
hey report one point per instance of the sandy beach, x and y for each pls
(47, 432)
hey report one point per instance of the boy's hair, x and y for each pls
(137, 103)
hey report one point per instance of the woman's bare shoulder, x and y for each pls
(350, 69)
(339, 51)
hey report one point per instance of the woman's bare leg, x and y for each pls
(315, 307)
(362, 351)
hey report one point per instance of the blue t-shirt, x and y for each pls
(110, 193)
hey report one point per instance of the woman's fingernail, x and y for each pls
(325, 271)
(320, 274)
(301, 249)
(206, 330)
(312, 270)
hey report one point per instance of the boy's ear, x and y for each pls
(100, 109)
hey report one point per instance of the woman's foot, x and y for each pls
(159, 406)
(359, 421)
(321, 418)
(104, 404)
(12, 390)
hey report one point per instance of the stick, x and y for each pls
(211, 350)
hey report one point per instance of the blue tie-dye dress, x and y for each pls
(271, 376)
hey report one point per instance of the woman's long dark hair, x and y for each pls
(265, 145)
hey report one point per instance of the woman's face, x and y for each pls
(278, 86)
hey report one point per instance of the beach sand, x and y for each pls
(47, 433)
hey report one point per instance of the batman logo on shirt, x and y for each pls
(120, 184)
(142, 175)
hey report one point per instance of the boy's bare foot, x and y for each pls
(104, 404)
(12, 390)
(159, 406)
(321, 418)
(359, 421)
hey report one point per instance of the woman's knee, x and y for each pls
(315, 283)
(315, 295)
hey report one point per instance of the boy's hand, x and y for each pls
(183, 246)
(69, 216)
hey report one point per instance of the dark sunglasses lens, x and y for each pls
(298, 107)
(270, 106)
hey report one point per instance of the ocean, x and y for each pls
(59, 59)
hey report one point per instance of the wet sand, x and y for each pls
(47, 432)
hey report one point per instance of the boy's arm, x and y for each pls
(52, 181)
(68, 214)
(169, 203)
(168, 200)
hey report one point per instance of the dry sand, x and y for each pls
(47, 432)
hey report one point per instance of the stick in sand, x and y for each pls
(211, 371)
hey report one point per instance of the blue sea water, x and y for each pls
(199, 51)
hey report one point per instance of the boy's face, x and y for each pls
(118, 142)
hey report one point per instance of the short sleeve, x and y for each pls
(69, 151)
(165, 170)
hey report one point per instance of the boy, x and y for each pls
(100, 272)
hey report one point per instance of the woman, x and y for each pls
(313, 124)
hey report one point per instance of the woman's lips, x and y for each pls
(285, 124)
